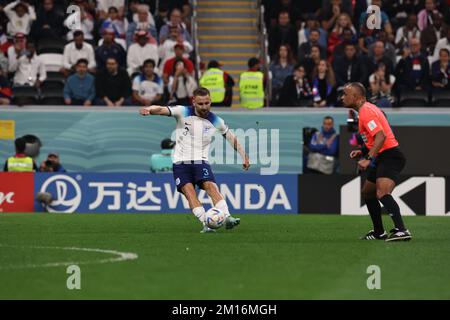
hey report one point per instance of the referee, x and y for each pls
(382, 162)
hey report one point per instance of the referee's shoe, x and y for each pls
(398, 235)
(371, 235)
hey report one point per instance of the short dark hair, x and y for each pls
(361, 90)
(78, 33)
(201, 92)
(253, 62)
(149, 61)
(112, 8)
(328, 118)
(82, 60)
(445, 50)
(314, 30)
(20, 144)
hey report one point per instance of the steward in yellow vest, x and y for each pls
(20, 162)
(251, 85)
(219, 83)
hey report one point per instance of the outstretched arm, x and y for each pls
(232, 139)
(155, 110)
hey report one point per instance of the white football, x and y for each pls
(215, 218)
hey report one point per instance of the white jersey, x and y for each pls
(194, 134)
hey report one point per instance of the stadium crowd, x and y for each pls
(118, 53)
(318, 46)
(138, 52)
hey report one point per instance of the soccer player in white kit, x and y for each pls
(195, 128)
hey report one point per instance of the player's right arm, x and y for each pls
(155, 111)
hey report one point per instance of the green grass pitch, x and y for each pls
(266, 257)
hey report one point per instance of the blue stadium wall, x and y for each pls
(122, 141)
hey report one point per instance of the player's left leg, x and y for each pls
(385, 186)
(219, 202)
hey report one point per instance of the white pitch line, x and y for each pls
(120, 256)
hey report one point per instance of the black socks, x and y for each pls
(394, 211)
(374, 208)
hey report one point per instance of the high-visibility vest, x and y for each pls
(214, 82)
(16, 164)
(251, 86)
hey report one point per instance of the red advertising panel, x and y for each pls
(16, 191)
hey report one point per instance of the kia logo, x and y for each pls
(8, 197)
(66, 192)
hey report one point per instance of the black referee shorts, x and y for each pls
(388, 164)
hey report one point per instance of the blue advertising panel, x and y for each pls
(156, 193)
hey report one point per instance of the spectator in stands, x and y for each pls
(389, 48)
(140, 51)
(21, 15)
(407, 32)
(175, 21)
(377, 58)
(103, 7)
(287, 6)
(29, 69)
(443, 43)
(251, 85)
(385, 24)
(425, 16)
(113, 86)
(324, 148)
(304, 51)
(335, 37)
(296, 91)
(399, 10)
(110, 48)
(432, 33)
(349, 68)
(162, 16)
(132, 10)
(162, 162)
(49, 23)
(87, 25)
(366, 38)
(312, 61)
(413, 70)
(5, 88)
(312, 23)
(17, 49)
(186, 15)
(181, 85)
(76, 50)
(51, 164)
(4, 43)
(148, 86)
(3, 62)
(219, 83)
(142, 21)
(281, 67)
(323, 85)
(20, 162)
(331, 10)
(169, 69)
(283, 32)
(167, 49)
(347, 37)
(381, 83)
(440, 71)
(114, 22)
(79, 89)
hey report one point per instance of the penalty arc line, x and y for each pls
(120, 256)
